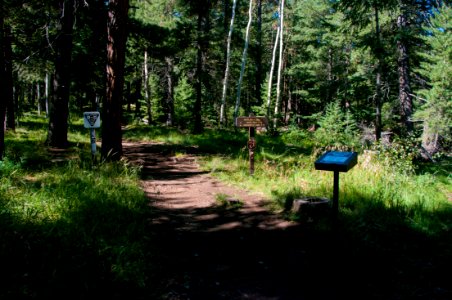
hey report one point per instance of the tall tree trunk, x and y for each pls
(272, 69)
(147, 88)
(378, 94)
(170, 92)
(116, 46)
(405, 98)
(329, 92)
(47, 87)
(38, 94)
(137, 97)
(198, 126)
(8, 81)
(59, 104)
(281, 48)
(226, 73)
(259, 54)
(2, 86)
(245, 50)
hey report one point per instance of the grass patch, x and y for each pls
(227, 202)
(69, 229)
(284, 170)
(75, 231)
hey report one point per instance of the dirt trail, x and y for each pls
(177, 184)
(206, 251)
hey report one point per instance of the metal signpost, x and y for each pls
(336, 161)
(251, 122)
(91, 120)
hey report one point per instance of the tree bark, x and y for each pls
(245, 50)
(2, 86)
(147, 88)
(278, 84)
(59, 104)
(198, 126)
(405, 98)
(47, 87)
(170, 92)
(38, 95)
(259, 54)
(378, 101)
(8, 81)
(112, 110)
(226, 73)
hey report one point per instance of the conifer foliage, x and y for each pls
(183, 63)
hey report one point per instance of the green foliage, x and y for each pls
(436, 109)
(337, 128)
(399, 156)
(184, 97)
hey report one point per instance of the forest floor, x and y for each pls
(205, 250)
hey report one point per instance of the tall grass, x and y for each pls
(79, 231)
(379, 185)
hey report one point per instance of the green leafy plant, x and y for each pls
(337, 127)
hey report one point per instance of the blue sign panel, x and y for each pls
(336, 161)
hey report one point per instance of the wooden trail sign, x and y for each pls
(251, 122)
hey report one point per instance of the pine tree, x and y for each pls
(112, 110)
(59, 104)
(436, 103)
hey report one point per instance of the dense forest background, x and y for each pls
(354, 71)
(151, 219)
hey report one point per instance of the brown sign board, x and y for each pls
(251, 122)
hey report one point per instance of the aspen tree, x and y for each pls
(226, 73)
(278, 85)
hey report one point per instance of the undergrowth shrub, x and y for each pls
(399, 156)
(337, 128)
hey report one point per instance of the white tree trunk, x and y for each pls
(47, 87)
(272, 68)
(38, 92)
(226, 73)
(242, 70)
(278, 85)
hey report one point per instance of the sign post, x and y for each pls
(251, 123)
(337, 162)
(91, 120)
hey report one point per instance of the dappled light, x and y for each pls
(191, 150)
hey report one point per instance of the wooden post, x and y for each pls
(251, 123)
(251, 148)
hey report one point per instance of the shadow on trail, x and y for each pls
(228, 256)
(216, 252)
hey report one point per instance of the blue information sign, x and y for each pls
(336, 161)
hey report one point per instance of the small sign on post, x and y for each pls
(251, 122)
(336, 161)
(91, 120)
